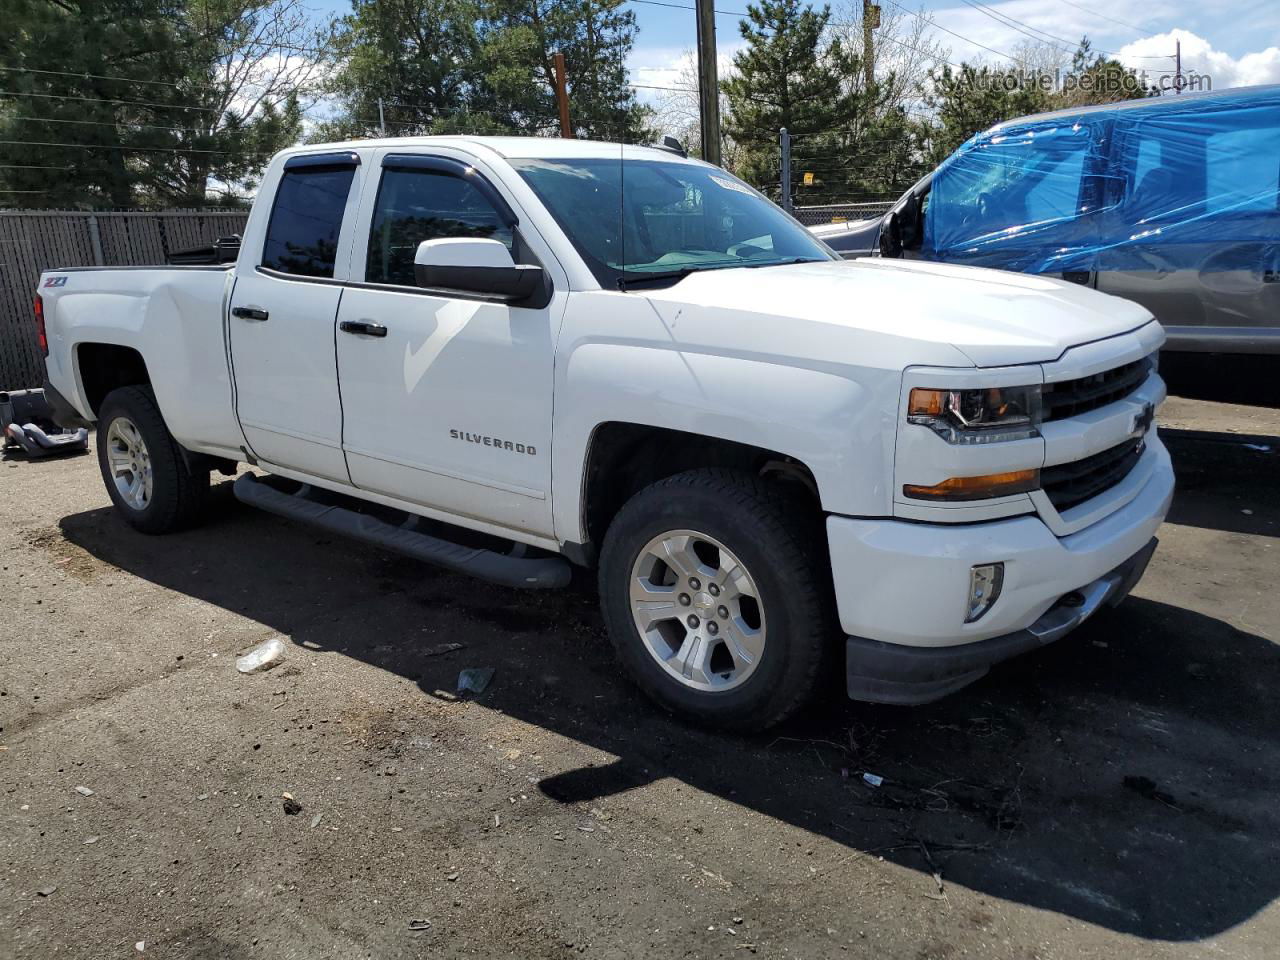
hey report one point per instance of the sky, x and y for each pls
(1236, 43)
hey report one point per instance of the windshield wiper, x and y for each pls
(787, 262)
(626, 282)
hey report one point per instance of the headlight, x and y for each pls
(985, 415)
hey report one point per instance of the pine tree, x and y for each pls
(147, 102)
(521, 38)
(791, 75)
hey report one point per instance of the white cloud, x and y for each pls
(1199, 55)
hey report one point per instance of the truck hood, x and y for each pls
(993, 317)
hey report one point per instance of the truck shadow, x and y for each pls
(1124, 777)
(1226, 481)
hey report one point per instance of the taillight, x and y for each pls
(40, 331)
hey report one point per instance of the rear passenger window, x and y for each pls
(1242, 171)
(302, 235)
(417, 205)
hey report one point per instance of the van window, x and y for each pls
(306, 218)
(1017, 188)
(1057, 192)
(418, 205)
(1243, 170)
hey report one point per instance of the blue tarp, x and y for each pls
(1171, 183)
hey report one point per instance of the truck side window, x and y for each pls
(302, 235)
(418, 205)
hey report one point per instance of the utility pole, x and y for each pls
(708, 82)
(1177, 56)
(870, 21)
(562, 98)
(382, 120)
(784, 144)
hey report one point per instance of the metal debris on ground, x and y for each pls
(262, 657)
(442, 648)
(872, 779)
(84, 791)
(475, 679)
(419, 924)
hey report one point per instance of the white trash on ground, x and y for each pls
(262, 657)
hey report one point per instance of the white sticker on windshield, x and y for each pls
(733, 185)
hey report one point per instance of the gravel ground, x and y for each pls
(1113, 795)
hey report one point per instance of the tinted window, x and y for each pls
(418, 205)
(302, 236)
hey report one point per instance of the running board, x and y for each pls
(509, 569)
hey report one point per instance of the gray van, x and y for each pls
(1173, 202)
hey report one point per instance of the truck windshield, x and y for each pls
(637, 219)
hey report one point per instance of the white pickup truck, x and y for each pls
(512, 356)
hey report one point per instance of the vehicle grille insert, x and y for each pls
(1070, 484)
(1071, 398)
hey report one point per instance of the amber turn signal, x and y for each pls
(976, 488)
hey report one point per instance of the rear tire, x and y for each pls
(713, 586)
(142, 465)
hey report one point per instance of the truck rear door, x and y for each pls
(283, 310)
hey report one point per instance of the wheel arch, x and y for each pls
(103, 367)
(624, 457)
(837, 424)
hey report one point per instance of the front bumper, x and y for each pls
(893, 673)
(901, 589)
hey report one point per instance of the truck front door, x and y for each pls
(282, 319)
(446, 398)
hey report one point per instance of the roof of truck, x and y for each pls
(508, 147)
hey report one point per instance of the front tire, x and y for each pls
(142, 466)
(713, 589)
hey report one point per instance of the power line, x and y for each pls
(681, 6)
(931, 56)
(1131, 26)
(114, 146)
(958, 36)
(1016, 24)
(94, 76)
(29, 166)
(107, 123)
(134, 103)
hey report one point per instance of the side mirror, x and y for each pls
(891, 235)
(476, 265)
(910, 223)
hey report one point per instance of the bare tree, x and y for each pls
(255, 67)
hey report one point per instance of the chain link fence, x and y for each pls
(841, 212)
(38, 240)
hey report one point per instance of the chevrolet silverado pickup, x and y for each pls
(514, 357)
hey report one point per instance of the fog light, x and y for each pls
(985, 581)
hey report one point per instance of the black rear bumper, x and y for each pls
(894, 673)
(64, 414)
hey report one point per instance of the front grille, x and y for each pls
(1073, 397)
(1069, 484)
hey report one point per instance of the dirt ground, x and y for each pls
(1111, 796)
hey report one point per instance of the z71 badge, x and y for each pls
(55, 281)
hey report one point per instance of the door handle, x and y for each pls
(249, 313)
(366, 328)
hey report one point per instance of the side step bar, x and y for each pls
(511, 570)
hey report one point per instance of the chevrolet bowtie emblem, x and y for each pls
(1142, 421)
